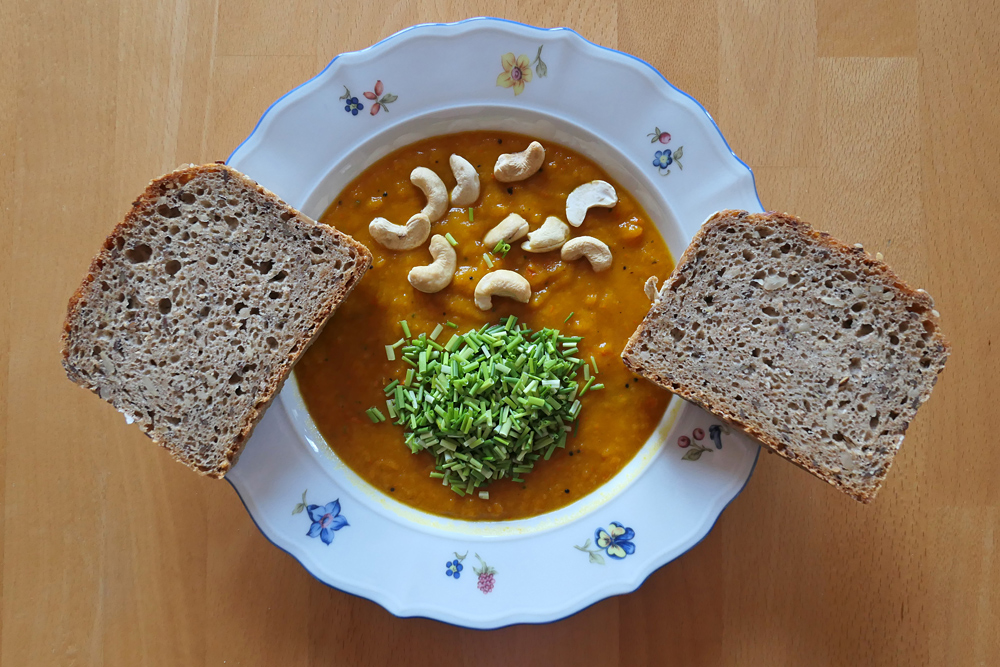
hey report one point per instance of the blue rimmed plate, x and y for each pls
(657, 142)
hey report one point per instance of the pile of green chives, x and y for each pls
(488, 403)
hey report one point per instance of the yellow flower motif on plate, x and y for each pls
(516, 72)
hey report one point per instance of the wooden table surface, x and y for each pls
(878, 121)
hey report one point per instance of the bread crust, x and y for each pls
(752, 427)
(140, 208)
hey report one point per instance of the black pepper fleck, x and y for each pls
(499, 141)
(392, 489)
(510, 191)
(567, 490)
(626, 385)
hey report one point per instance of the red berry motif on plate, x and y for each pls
(694, 448)
(486, 574)
(662, 137)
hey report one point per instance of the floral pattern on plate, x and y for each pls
(662, 159)
(326, 519)
(694, 447)
(517, 70)
(615, 541)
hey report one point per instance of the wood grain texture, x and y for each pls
(876, 120)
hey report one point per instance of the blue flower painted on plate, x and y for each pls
(616, 540)
(715, 433)
(353, 106)
(326, 519)
(663, 159)
(453, 568)
(351, 103)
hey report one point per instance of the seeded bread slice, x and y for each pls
(198, 305)
(813, 347)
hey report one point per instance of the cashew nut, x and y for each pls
(651, 289)
(438, 274)
(595, 193)
(502, 283)
(512, 228)
(511, 167)
(467, 190)
(400, 237)
(434, 190)
(596, 251)
(550, 236)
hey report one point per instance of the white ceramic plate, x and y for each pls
(662, 146)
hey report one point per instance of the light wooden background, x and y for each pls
(878, 121)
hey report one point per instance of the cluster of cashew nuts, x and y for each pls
(553, 234)
(437, 275)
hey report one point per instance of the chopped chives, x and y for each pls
(487, 259)
(471, 217)
(489, 403)
(390, 353)
(594, 361)
(567, 317)
(451, 324)
(451, 239)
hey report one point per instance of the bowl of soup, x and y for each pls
(636, 478)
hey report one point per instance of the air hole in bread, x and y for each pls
(188, 198)
(139, 254)
(272, 342)
(132, 303)
(274, 295)
(164, 305)
(168, 211)
(240, 306)
(855, 364)
(281, 275)
(917, 308)
(676, 334)
(235, 378)
(864, 330)
(317, 250)
(768, 310)
(172, 267)
(858, 307)
(925, 362)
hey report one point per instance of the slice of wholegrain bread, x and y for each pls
(198, 305)
(813, 347)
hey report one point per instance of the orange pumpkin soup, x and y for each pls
(344, 372)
